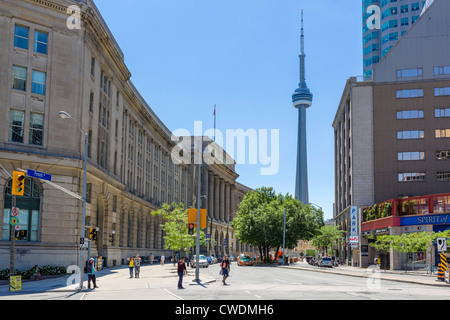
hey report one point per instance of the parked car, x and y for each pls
(202, 262)
(244, 260)
(326, 262)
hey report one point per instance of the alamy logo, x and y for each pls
(245, 147)
(374, 278)
(74, 21)
(374, 20)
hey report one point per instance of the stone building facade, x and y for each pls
(46, 68)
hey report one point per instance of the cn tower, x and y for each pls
(302, 100)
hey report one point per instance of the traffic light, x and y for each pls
(191, 229)
(18, 184)
(92, 233)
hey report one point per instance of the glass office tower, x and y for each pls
(384, 23)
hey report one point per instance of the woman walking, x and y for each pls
(225, 268)
(131, 266)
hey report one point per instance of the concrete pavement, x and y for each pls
(158, 282)
(114, 283)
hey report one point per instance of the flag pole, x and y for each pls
(214, 123)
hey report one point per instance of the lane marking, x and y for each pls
(173, 294)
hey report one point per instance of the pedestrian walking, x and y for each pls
(91, 273)
(131, 266)
(162, 260)
(181, 269)
(137, 266)
(151, 258)
(225, 269)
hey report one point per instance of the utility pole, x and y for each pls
(12, 231)
(284, 238)
(197, 258)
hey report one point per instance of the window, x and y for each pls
(16, 121)
(442, 92)
(410, 114)
(21, 35)
(410, 93)
(441, 204)
(19, 78)
(411, 177)
(405, 73)
(93, 67)
(40, 42)
(441, 70)
(404, 8)
(442, 113)
(36, 129)
(29, 206)
(91, 102)
(415, 6)
(443, 155)
(442, 133)
(38, 82)
(404, 22)
(443, 176)
(413, 134)
(411, 156)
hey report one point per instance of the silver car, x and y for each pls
(326, 262)
(202, 262)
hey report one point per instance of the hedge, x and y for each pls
(26, 274)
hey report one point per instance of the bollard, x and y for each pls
(441, 273)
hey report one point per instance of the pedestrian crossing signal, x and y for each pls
(18, 184)
(191, 229)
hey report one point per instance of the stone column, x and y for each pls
(233, 201)
(152, 231)
(216, 198)
(222, 200)
(227, 202)
(210, 195)
(204, 190)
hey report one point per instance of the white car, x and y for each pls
(202, 262)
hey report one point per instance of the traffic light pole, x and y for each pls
(12, 231)
(83, 211)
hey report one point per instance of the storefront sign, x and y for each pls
(426, 219)
(354, 221)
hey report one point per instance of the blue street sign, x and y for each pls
(39, 175)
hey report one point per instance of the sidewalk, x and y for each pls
(116, 282)
(417, 277)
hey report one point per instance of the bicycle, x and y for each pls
(432, 270)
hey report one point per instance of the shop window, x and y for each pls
(29, 206)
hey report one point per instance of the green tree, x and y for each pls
(326, 237)
(260, 221)
(409, 242)
(175, 227)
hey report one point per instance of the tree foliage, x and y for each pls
(175, 227)
(408, 242)
(260, 220)
(327, 236)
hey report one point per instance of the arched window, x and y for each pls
(29, 207)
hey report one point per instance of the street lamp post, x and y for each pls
(65, 115)
(197, 258)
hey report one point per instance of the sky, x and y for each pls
(242, 56)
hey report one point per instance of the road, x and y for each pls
(258, 283)
(271, 283)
